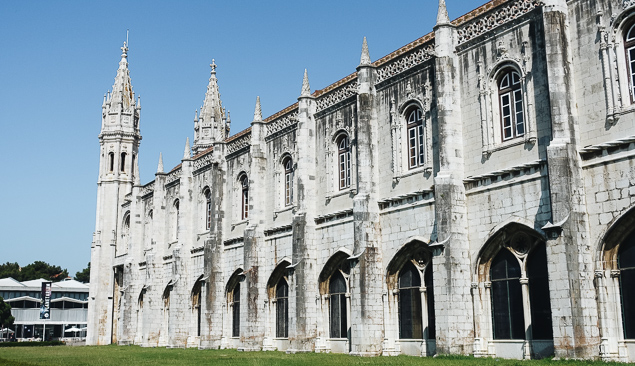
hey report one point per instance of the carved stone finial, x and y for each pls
(187, 152)
(196, 115)
(258, 110)
(442, 15)
(306, 89)
(213, 66)
(160, 167)
(365, 59)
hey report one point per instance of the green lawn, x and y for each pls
(133, 355)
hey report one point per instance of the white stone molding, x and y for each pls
(494, 19)
(406, 62)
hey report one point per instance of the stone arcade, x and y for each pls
(496, 217)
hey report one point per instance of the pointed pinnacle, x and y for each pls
(306, 89)
(160, 167)
(187, 153)
(196, 115)
(442, 15)
(365, 59)
(258, 110)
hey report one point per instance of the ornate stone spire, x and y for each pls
(187, 152)
(122, 88)
(160, 167)
(211, 120)
(365, 59)
(442, 15)
(306, 89)
(258, 111)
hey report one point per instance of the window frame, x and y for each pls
(338, 311)
(282, 308)
(513, 91)
(244, 195)
(289, 174)
(343, 146)
(416, 139)
(208, 208)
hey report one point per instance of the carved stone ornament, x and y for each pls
(406, 62)
(239, 143)
(203, 161)
(496, 18)
(628, 3)
(147, 188)
(520, 243)
(282, 122)
(337, 95)
(173, 176)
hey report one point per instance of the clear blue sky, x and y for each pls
(58, 58)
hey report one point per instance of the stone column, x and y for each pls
(303, 311)
(367, 274)
(452, 279)
(574, 309)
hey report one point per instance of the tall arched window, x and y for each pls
(282, 309)
(510, 97)
(235, 306)
(626, 265)
(337, 300)
(125, 233)
(175, 220)
(111, 162)
(196, 304)
(410, 314)
(244, 184)
(629, 48)
(416, 146)
(208, 208)
(541, 326)
(344, 161)
(507, 300)
(123, 162)
(288, 181)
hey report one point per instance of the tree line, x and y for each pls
(40, 269)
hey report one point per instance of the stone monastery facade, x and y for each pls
(472, 192)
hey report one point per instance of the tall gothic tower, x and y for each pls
(212, 124)
(119, 145)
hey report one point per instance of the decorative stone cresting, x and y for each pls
(337, 95)
(239, 143)
(203, 161)
(495, 19)
(406, 62)
(173, 176)
(147, 188)
(282, 122)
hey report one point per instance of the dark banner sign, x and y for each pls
(45, 309)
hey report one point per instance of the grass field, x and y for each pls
(133, 355)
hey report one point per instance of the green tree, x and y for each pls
(6, 319)
(83, 275)
(10, 270)
(40, 269)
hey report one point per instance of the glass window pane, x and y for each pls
(541, 325)
(627, 283)
(428, 280)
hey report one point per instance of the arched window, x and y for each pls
(344, 161)
(507, 300)
(282, 309)
(208, 208)
(175, 220)
(629, 48)
(244, 183)
(416, 145)
(123, 162)
(196, 304)
(288, 181)
(337, 300)
(541, 326)
(510, 97)
(235, 306)
(111, 161)
(626, 265)
(410, 314)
